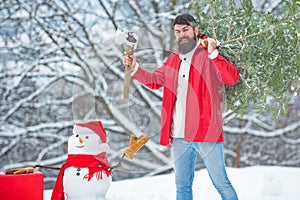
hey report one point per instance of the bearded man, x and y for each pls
(191, 116)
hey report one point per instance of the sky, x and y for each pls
(257, 182)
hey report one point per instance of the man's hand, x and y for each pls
(129, 60)
(212, 45)
(135, 145)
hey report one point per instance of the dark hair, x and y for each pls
(185, 19)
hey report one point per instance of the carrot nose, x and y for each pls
(80, 140)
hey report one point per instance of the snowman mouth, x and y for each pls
(79, 146)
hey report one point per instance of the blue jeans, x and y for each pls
(212, 154)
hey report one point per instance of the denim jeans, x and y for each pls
(212, 154)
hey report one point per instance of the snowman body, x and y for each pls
(78, 188)
(75, 184)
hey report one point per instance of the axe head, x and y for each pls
(127, 39)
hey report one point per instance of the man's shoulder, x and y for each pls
(173, 56)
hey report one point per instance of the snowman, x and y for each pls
(86, 175)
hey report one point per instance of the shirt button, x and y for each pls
(184, 59)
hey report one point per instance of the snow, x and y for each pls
(257, 182)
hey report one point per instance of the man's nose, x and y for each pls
(181, 34)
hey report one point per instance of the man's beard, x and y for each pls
(186, 47)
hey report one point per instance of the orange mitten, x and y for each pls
(135, 145)
(24, 170)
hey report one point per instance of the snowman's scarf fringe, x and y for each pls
(98, 172)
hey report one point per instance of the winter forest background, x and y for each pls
(60, 64)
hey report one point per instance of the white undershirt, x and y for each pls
(178, 125)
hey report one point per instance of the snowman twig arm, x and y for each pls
(119, 164)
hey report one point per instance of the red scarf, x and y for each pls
(97, 164)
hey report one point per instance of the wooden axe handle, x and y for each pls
(129, 52)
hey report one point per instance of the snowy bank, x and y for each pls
(259, 183)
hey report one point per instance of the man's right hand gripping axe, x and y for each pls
(129, 41)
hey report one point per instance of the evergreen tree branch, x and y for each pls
(295, 17)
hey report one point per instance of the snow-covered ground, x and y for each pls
(259, 183)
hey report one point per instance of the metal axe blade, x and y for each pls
(129, 41)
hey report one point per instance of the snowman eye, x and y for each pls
(77, 135)
(86, 137)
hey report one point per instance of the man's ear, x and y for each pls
(196, 31)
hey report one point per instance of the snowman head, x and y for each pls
(88, 138)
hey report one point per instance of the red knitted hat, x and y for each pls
(96, 127)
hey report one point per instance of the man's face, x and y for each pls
(186, 37)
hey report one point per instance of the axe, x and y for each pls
(129, 42)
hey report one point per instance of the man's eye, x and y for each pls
(86, 137)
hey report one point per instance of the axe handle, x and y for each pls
(127, 75)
